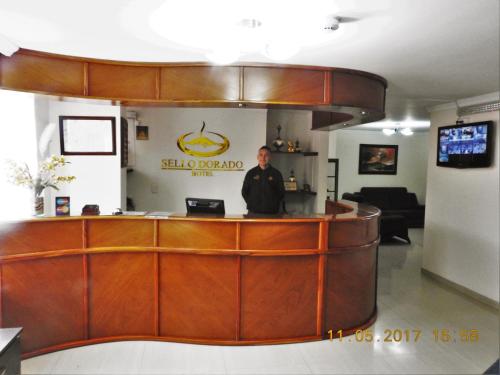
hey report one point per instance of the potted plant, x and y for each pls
(19, 174)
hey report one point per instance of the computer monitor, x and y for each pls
(205, 206)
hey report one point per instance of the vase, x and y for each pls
(37, 206)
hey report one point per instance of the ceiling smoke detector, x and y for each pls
(332, 23)
(250, 23)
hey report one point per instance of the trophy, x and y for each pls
(297, 146)
(278, 142)
(291, 183)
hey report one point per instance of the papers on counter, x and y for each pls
(159, 214)
(134, 213)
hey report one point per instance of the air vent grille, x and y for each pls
(487, 107)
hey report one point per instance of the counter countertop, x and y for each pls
(347, 211)
(194, 279)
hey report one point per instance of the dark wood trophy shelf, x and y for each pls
(303, 153)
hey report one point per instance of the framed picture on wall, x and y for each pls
(378, 159)
(87, 135)
(141, 132)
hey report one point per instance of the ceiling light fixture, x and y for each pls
(262, 28)
(389, 131)
(406, 131)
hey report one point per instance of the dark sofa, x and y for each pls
(392, 201)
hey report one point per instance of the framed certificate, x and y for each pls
(81, 135)
(290, 185)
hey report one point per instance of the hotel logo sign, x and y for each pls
(202, 145)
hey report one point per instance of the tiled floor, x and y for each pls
(406, 300)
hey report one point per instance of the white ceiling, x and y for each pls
(430, 51)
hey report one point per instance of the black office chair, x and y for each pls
(284, 207)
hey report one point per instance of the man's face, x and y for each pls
(263, 158)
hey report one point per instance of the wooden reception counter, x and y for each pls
(233, 280)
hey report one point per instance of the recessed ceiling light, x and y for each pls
(389, 131)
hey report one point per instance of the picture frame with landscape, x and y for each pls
(378, 159)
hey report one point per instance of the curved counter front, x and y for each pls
(233, 280)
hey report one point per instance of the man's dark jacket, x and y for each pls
(263, 190)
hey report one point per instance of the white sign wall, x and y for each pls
(154, 188)
(98, 177)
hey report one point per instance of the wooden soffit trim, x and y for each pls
(338, 97)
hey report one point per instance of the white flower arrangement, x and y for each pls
(46, 177)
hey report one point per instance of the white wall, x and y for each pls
(42, 118)
(246, 130)
(17, 143)
(98, 178)
(412, 160)
(319, 142)
(296, 125)
(461, 238)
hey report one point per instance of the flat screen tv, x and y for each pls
(465, 145)
(205, 206)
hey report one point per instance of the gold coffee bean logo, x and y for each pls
(202, 145)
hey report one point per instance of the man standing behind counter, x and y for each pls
(263, 187)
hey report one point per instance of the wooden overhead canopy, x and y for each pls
(338, 97)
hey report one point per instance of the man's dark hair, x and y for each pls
(265, 148)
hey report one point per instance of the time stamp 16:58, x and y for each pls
(444, 335)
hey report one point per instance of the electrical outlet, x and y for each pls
(154, 188)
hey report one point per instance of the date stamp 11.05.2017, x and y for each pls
(408, 335)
